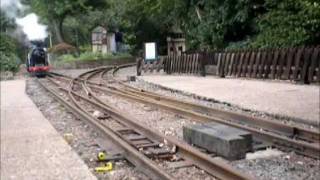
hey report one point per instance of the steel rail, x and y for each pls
(302, 147)
(185, 108)
(215, 167)
(288, 130)
(131, 154)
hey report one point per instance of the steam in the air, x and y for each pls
(29, 24)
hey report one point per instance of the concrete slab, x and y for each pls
(273, 97)
(226, 141)
(30, 147)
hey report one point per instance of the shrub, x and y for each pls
(88, 56)
(9, 62)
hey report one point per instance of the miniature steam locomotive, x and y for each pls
(37, 62)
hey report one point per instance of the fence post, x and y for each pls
(202, 64)
(139, 63)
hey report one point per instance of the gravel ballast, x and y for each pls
(285, 166)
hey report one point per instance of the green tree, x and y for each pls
(54, 12)
(8, 45)
(289, 23)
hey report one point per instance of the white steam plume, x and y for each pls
(29, 24)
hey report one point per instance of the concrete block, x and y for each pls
(131, 78)
(226, 141)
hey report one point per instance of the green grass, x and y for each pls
(89, 56)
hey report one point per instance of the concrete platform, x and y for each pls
(30, 147)
(273, 97)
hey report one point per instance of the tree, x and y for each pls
(8, 45)
(289, 23)
(54, 12)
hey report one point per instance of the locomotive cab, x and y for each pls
(37, 62)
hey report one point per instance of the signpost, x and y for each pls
(150, 51)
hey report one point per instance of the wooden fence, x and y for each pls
(188, 64)
(297, 64)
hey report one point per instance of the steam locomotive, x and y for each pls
(37, 62)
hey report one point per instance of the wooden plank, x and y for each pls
(180, 164)
(216, 58)
(170, 64)
(187, 64)
(239, 67)
(227, 62)
(290, 57)
(231, 64)
(219, 59)
(245, 63)
(223, 58)
(166, 63)
(262, 64)
(197, 65)
(297, 64)
(274, 64)
(306, 64)
(175, 67)
(183, 63)
(256, 64)
(236, 63)
(251, 63)
(179, 64)
(192, 63)
(139, 66)
(160, 64)
(313, 65)
(318, 61)
(282, 60)
(174, 62)
(267, 70)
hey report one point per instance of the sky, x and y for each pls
(30, 24)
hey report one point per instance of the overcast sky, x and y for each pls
(30, 25)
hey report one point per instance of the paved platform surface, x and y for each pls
(298, 101)
(30, 147)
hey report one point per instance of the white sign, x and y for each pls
(150, 51)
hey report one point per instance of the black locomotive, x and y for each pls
(37, 62)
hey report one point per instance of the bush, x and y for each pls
(9, 62)
(289, 23)
(88, 56)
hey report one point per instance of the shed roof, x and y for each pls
(99, 29)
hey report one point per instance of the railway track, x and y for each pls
(283, 136)
(142, 146)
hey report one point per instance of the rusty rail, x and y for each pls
(215, 167)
